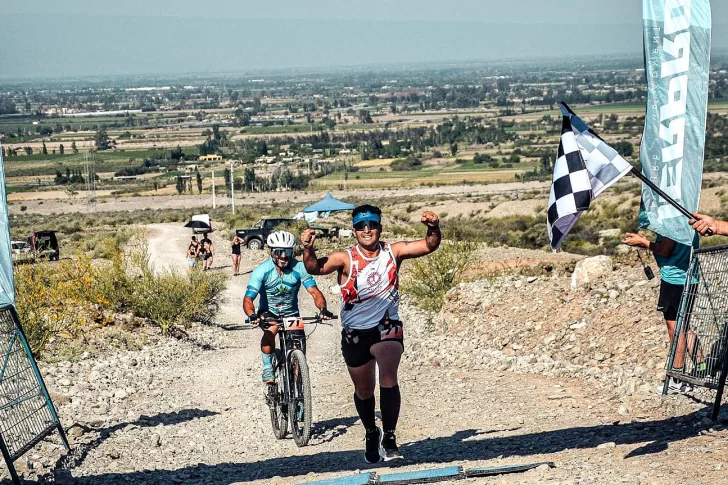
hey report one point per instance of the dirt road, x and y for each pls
(193, 412)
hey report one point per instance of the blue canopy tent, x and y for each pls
(329, 204)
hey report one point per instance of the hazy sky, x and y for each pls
(43, 38)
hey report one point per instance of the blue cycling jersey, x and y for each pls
(278, 292)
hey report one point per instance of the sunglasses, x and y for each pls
(373, 225)
(280, 252)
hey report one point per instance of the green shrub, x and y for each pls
(410, 163)
(429, 278)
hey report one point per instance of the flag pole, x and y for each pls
(662, 194)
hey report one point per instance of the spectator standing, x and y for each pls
(236, 243)
(208, 252)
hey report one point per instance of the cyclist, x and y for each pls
(372, 334)
(278, 280)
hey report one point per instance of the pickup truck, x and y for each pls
(256, 237)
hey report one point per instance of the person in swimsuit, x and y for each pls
(207, 252)
(236, 242)
(192, 251)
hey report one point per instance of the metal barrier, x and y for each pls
(27, 414)
(698, 351)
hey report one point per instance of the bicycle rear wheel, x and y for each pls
(300, 406)
(277, 398)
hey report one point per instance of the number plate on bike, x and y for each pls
(293, 323)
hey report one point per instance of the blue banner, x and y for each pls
(677, 58)
(7, 285)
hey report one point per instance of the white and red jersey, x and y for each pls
(372, 290)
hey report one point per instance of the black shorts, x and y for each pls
(669, 300)
(356, 344)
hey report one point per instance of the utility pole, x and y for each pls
(213, 189)
(90, 167)
(232, 187)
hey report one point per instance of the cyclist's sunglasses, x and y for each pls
(373, 225)
(280, 252)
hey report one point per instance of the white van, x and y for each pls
(21, 251)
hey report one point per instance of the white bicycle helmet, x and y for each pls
(281, 239)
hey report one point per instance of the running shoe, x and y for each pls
(678, 387)
(371, 446)
(388, 449)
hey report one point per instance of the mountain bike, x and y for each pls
(289, 397)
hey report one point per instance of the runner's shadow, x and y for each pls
(327, 430)
(463, 446)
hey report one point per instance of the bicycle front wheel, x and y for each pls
(299, 410)
(277, 398)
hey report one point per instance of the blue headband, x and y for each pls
(366, 216)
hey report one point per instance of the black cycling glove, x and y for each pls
(326, 314)
(254, 319)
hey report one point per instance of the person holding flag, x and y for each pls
(673, 259)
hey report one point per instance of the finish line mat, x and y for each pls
(422, 476)
(427, 476)
(358, 479)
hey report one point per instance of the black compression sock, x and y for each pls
(365, 409)
(390, 402)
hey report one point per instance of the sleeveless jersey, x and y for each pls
(371, 291)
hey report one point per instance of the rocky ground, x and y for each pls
(515, 369)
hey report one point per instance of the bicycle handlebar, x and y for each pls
(267, 321)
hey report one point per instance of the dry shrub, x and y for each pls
(57, 299)
(429, 278)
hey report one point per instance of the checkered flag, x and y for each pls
(585, 166)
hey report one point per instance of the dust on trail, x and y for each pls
(199, 417)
